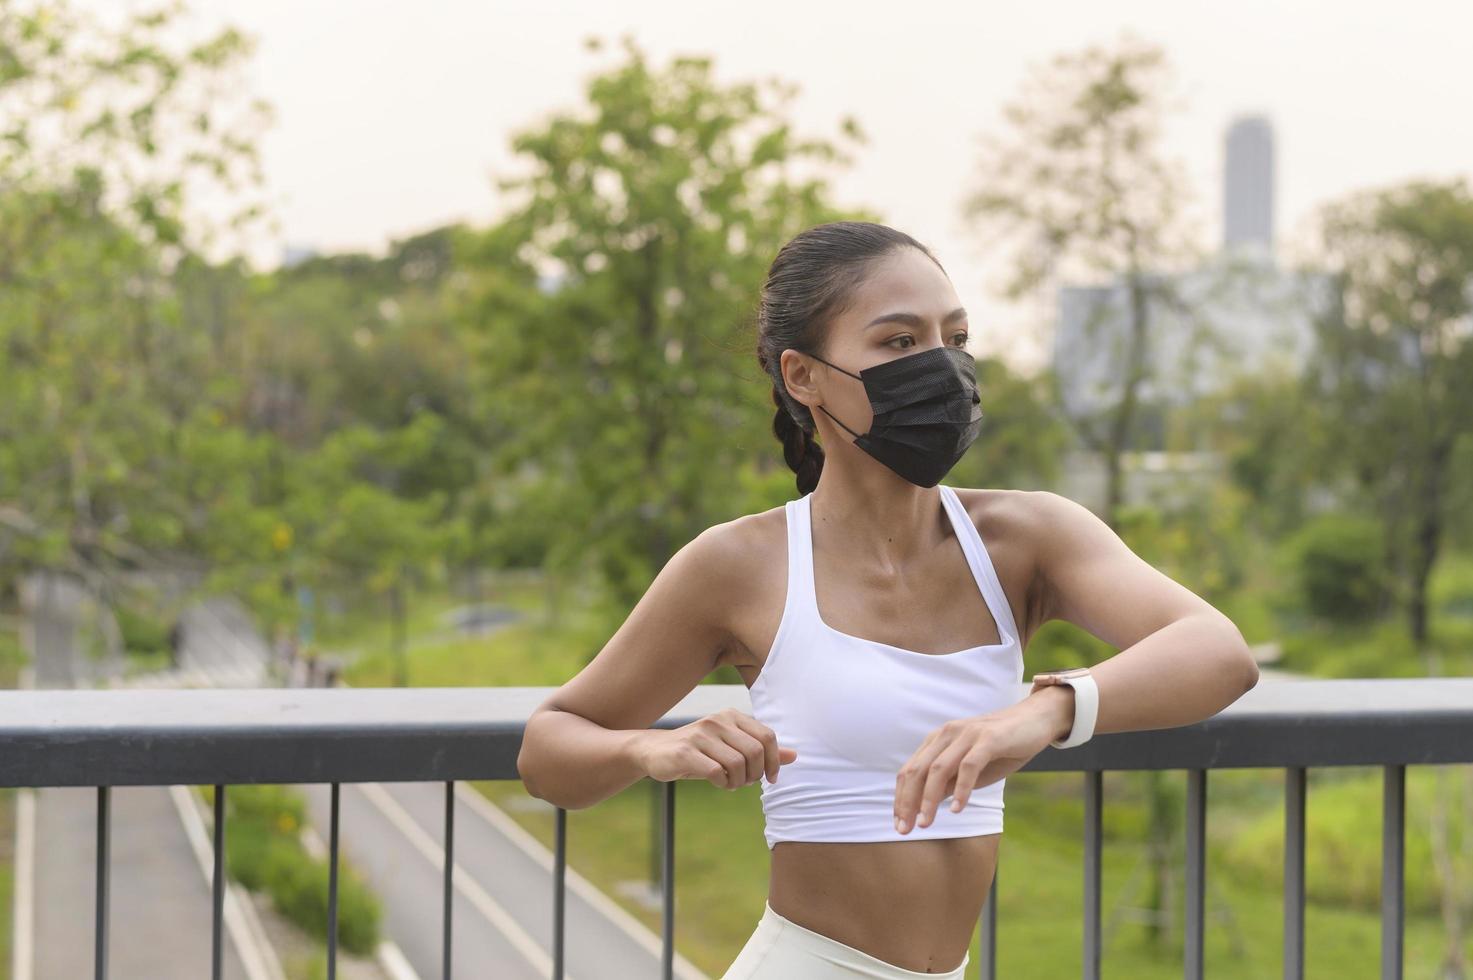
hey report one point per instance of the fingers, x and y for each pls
(769, 758)
(743, 745)
(733, 764)
(949, 763)
(911, 781)
(968, 772)
(730, 749)
(940, 777)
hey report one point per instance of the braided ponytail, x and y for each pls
(800, 450)
(810, 278)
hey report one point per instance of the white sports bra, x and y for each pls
(856, 710)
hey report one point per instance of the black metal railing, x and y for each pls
(107, 738)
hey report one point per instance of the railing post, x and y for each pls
(449, 873)
(104, 836)
(1393, 859)
(217, 886)
(1094, 798)
(1196, 871)
(657, 801)
(559, 890)
(1294, 793)
(332, 887)
(987, 947)
(667, 882)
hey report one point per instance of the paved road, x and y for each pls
(159, 900)
(410, 886)
(502, 916)
(159, 918)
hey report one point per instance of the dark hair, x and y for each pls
(810, 281)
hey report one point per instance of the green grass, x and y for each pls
(533, 651)
(722, 859)
(369, 627)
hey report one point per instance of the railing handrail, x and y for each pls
(124, 737)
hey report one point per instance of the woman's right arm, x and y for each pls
(592, 738)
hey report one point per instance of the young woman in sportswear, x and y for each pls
(881, 640)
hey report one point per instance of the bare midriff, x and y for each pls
(912, 903)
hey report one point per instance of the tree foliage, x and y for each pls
(629, 391)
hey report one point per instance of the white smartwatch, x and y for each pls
(1086, 702)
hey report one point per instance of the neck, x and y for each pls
(878, 518)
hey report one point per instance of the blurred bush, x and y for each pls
(264, 852)
(1340, 564)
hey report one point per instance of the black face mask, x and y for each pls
(927, 412)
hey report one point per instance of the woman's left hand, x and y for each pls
(969, 753)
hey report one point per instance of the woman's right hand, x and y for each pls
(729, 748)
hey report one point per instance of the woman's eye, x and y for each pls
(961, 341)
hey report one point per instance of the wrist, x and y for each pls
(636, 748)
(1056, 702)
(1084, 703)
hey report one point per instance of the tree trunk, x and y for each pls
(399, 616)
(1160, 899)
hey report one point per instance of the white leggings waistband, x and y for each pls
(780, 949)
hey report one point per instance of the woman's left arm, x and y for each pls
(1180, 661)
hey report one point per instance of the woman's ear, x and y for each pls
(797, 371)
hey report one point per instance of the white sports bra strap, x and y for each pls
(976, 550)
(801, 597)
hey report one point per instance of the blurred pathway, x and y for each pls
(159, 901)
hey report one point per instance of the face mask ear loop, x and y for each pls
(836, 368)
(826, 411)
(831, 415)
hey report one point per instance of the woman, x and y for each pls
(878, 636)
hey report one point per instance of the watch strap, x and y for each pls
(1086, 702)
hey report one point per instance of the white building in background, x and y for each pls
(1238, 312)
(1248, 184)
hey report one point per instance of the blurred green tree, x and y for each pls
(1080, 186)
(1394, 368)
(103, 127)
(614, 308)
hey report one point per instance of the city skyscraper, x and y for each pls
(1248, 184)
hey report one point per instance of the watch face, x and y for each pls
(1054, 676)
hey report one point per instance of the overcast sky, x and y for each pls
(392, 117)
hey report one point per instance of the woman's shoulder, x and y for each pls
(742, 550)
(1002, 512)
(1025, 522)
(742, 562)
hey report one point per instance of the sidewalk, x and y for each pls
(160, 907)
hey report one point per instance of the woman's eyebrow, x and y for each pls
(914, 320)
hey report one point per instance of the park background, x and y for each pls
(432, 375)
